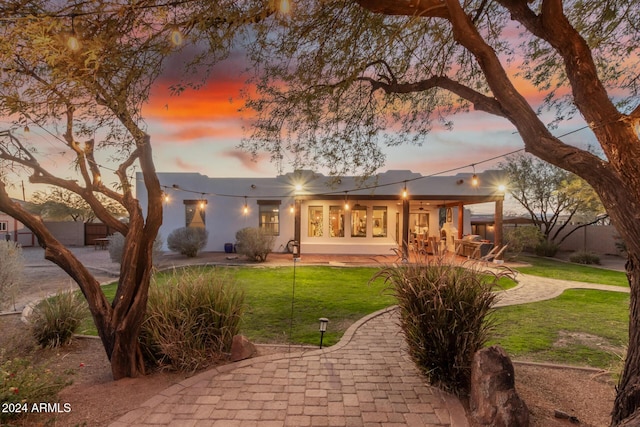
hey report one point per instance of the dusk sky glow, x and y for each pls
(199, 131)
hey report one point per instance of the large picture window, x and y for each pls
(194, 213)
(269, 216)
(379, 221)
(359, 221)
(315, 221)
(336, 221)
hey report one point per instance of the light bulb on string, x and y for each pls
(176, 36)
(474, 178)
(346, 201)
(72, 41)
(405, 193)
(245, 209)
(284, 6)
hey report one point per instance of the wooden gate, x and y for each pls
(95, 230)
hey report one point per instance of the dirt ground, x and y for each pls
(97, 400)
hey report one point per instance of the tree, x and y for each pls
(83, 70)
(343, 76)
(62, 204)
(552, 197)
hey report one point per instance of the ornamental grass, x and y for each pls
(191, 320)
(443, 315)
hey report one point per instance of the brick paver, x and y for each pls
(367, 379)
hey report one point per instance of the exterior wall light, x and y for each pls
(323, 328)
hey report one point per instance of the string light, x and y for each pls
(474, 179)
(245, 209)
(284, 7)
(405, 193)
(72, 42)
(176, 36)
(346, 201)
(292, 209)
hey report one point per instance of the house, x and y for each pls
(13, 230)
(329, 215)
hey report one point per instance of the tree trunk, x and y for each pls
(628, 391)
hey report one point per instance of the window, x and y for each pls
(315, 221)
(336, 221)
(269, 216)
(194, 213)
(4, 226)
(379, 221)
(359, 221)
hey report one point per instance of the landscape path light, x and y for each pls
(323, 328)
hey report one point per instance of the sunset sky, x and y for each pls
(199, 132)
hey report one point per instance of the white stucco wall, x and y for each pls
(226, 197)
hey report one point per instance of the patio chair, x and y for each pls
(491, 256)
(494, 253)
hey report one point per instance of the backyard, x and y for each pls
(581, 327)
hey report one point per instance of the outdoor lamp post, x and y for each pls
(323, 328)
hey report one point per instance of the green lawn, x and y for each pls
(277, 311)
(548, 267)
(580, 327)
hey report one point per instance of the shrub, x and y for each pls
(191, 320)
(23, 384)
(54, 320)
(188, 240)
(116, 248)
(520, 239)
(546, 248)
(11, 272)
(254, 243)
(584, 257)
(443, 311)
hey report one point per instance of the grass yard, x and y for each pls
(341, 294)
(548, 267)
(580, 327)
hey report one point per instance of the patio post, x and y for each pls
(497, 229)
(405, 228)
(460, 220)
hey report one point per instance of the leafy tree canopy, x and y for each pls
(552, 197)
(336, 82)
(58, 204)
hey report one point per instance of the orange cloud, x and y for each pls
(212, 102)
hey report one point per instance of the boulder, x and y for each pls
(493, 398)
(241, 348)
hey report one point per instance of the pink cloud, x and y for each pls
(185, 166)
(247, 160)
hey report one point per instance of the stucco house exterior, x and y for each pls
(327, 215)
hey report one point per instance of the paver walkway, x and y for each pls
(365, 380)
